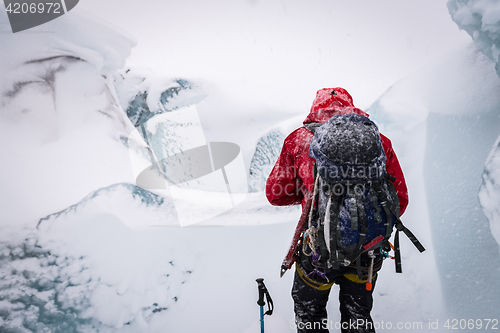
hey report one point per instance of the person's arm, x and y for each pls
(394, 169)
(283, 185)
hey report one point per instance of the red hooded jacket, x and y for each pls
(293, 173)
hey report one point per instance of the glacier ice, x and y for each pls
(164, 113)
(60, 114)
(489, 193)
(267, 151)
(481, 20)
(126, 201)
(444, 120)
(42, 291)
(51, 282)
(266, 154)
(143, 96)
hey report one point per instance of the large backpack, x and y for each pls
(354, 206)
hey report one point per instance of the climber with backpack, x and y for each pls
(347, 178)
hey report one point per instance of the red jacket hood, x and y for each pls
(330, 102)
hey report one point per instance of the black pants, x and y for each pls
(310, 306)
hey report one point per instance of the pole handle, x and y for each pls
(262, 289)
(264, 292)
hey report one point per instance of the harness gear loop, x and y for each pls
(310, 282)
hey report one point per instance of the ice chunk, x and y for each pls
(489, 194)
(143, 95)
(112, 199)
(481, 20)
(266, 154)
(267, 151)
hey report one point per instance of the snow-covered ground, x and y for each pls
(88, 113)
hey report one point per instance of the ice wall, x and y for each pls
(266, 154)
(481, 20)
(144, 95)
(60, 114)
(455, 104)
(267, 151)
(489, 194)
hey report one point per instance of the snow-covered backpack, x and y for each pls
(355, 206)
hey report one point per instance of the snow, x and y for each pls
(481, 20)
(83, 248)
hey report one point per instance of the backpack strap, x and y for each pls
(397, 253)
(364, 229)
(354, 212)
(362, 215)
(389, 208)
(376, 206)
(359, 271)
(330, 241)
(311, 234)
(388, 221)
(357, 202)
(411, 236)
(322, 241)
(335, 233)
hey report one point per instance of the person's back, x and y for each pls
(292, 181)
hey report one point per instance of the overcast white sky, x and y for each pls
(281, 52)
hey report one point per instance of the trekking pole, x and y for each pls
(263, 291)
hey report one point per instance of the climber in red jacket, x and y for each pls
(290, 182)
